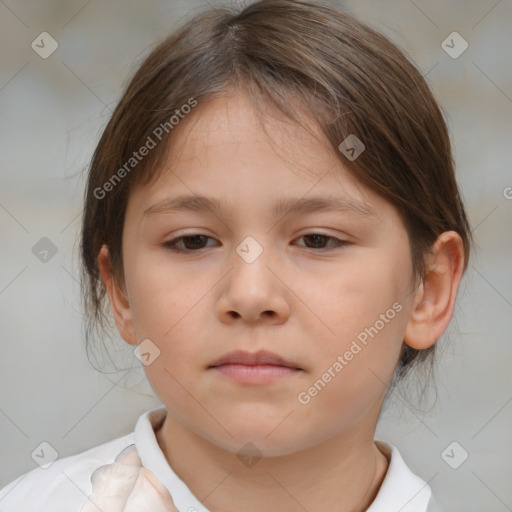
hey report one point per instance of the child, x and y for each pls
(273, 214)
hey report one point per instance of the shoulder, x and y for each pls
(63, 486)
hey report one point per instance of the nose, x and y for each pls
(254, 293)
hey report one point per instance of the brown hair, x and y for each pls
(349, 78)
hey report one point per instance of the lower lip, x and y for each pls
(255, 374)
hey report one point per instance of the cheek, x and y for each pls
(364, 311)
(356, 296)
(162, 295)
(352, 374)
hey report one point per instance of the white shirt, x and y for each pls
(65, 485)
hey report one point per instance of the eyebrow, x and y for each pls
(281, 207)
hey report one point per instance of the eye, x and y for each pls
(196, 242)
(318, 241)
(192, 243)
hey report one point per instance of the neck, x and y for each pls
(343, 473)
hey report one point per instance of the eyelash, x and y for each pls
(172, 244)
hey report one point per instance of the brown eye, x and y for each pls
(191, 243)
(319, 241)
(194, 243)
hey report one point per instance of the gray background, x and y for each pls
(51, 114)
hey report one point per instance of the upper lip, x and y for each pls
(253, 359)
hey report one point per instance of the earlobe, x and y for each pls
(118, 300)
(434, 299)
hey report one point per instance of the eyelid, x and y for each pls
(171, 244)
(339, 243)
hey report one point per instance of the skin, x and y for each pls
(197, 306)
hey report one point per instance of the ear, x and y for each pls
(118, 301)
(434, 300)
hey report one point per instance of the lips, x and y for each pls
(261, 357)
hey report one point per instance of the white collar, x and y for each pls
(154, 459)
(401, 489)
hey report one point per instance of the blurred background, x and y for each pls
(63, 66)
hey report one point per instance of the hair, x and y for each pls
(346, 76)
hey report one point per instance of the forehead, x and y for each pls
(232, 125)
(224, 149)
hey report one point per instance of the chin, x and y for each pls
(260, 440)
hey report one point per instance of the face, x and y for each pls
(327, 290)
